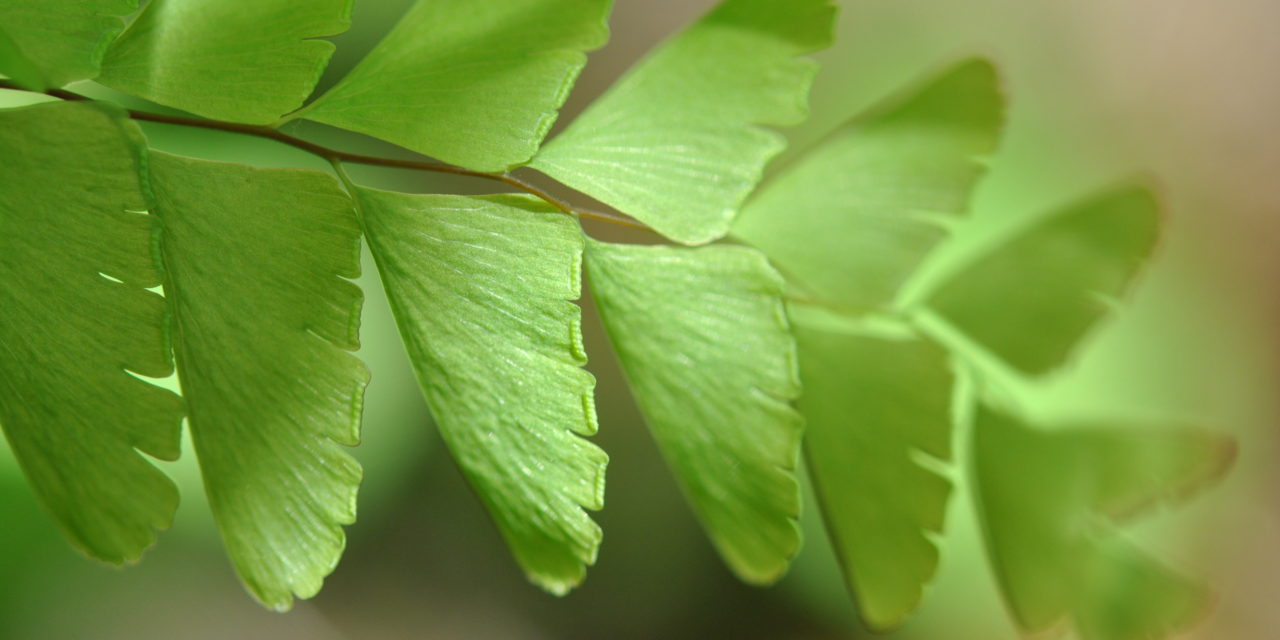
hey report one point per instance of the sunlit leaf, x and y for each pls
(241, 60)
(874, 406)
(679, 142)
(52, 42)
(852, 219)
(703, 338)
(1049, 501)
(76, 257)
(256, 262)
(481, 289)
(1034, 296)
(477, 84)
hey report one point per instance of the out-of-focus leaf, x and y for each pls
(481, 289)
(256, 261)
(477, 84)
(1033, 297)
(703, 338)
(852, 219)
(873, 404)
(76, 257)
(1125, 594)
(52, 42)
(240, 60)
(1049, 501)
(678, 142)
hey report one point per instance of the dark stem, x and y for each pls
(334, 154)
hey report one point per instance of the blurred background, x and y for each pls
(1182, 91)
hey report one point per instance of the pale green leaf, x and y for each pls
(256, 261)
(1049, 501)
(76, 257)
(1125, 594)
(245, 61)
(1033, 297)
(61, 40)
(703, 338)
(874, 407)
(481, 289)
(677, 142)
(476, 84)
(851, 220)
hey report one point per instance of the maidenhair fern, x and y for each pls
(791, 337)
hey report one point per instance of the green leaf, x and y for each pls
(1049, 500)
(703, 338)
(852, 219)
(874, 406)
(17, 67)
(476, 84)
(677, 142)
(76, 257)
(61, 40)
(263, 321)
(1032, 298)
(1124, 594)
(240, 60)
(481, 289)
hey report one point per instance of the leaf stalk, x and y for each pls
(336, 155)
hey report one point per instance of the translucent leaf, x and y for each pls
(853, 218)
(678, 142)
(477, 84)
(59, 40)
(702, 336)
(874, 407)
(1032, 298)
(1049, 501)
(1124, 594)
(76, 257)
(240, 60)
(481, 289)
(263, 321)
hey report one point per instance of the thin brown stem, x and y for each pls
(334, 154)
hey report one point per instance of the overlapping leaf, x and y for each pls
(1032, 298)
(1049, 501)
(76, 257)
(241, 60)
(852, 219)
(678, 142)
(703, 338)
(477, 84)
(263, 322)
(874, 403)
(16, 66)
(52, 42)
(481, 289)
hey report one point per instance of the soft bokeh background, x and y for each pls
(1184, 91)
